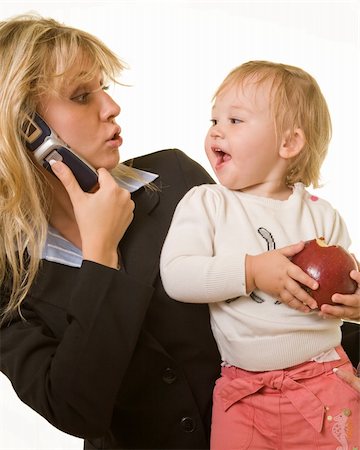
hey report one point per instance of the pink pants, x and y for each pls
(303, 407)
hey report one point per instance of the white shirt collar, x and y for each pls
(60, 250)
(133, 185)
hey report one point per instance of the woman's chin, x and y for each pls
(109, 164)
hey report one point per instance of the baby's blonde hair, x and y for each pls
(296, 102)
(36, 56)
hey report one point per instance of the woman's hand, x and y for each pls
(102, 216)
(348, 377)
(348, 306)
(274, 273)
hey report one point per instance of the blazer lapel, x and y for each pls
(142, 241)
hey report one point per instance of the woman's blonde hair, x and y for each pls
(296, 102)
(36, 54)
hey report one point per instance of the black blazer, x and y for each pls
(106, 355)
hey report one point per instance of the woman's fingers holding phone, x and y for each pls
(112, 194)
(110, 213)
(120, 198)
(66, 177)
(102, 217)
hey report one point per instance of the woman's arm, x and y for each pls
(68, 363)
(68, 358)
(349, 378)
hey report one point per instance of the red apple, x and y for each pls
(330, 266)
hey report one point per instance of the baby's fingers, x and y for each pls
(301, 295)
(301, 277)
(291, 301)
(345, 309)
(297, 284)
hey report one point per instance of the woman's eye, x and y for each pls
(105, 88)
(81, 98)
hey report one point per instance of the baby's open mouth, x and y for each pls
(221, 156)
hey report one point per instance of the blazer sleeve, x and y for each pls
(68, 365)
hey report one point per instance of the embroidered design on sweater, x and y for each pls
(270, 242)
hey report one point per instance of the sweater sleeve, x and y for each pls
(338, 232)
(191, 268)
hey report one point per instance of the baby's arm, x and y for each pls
(190, 271)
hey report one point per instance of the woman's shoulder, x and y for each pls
(170, 154)
(172, 164)
(160, 158)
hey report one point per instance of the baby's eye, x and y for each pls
(213, 122)
(81, 98)
(232, 120)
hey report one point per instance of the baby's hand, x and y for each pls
(274, 273)
(348, 306)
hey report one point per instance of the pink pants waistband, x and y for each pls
(287, 381)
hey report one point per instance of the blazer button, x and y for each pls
(169, 376)
(187, 424)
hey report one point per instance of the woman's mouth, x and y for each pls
(115, 140)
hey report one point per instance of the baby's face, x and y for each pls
(241, 144)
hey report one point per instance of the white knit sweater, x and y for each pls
(203, 261)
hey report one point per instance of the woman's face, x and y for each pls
(84, 118)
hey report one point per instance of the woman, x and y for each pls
(351, 378)
(89, 339)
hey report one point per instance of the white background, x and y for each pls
(178, 53)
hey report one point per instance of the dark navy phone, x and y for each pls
(46, 145)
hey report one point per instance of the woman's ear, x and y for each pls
(292, 143)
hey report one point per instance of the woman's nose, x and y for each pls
(110, 108)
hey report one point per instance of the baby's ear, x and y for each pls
(292, 143)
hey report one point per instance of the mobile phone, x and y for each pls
(46, 145)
